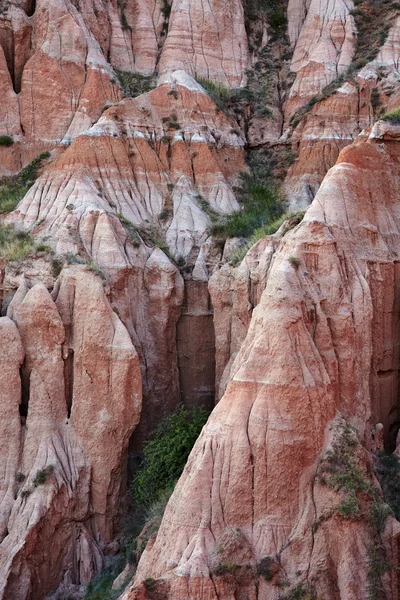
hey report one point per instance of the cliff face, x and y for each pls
(125, 305)
(317, 347)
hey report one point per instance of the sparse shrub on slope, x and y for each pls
(134, 84)
(13, 189)
(392, 117)
(260, 195)
(164, 458)
(15, 245)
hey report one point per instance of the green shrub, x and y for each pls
(173, 125)
(349, 507)
(392, 117)
(264, 568)
(165, 455)
(134, 84)
(262, 232)
(13, 189)
(261, 205)
(15, 245)
(300, 592)
(19, 477)
(44, 248)
(166, 9)
(218, 92)
(42, 475)
(100, 588)
(387, 469)
(6, 140)
(149, 583)
(225, 568)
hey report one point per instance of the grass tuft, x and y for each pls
(6, 140)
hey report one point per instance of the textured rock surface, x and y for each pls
(316, 339)
(304, 329)
(81, 384)
(207, 39)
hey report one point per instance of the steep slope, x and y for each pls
(109, 320)
(80, 383)
(320, 344)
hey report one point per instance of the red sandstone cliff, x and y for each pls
(137, 309)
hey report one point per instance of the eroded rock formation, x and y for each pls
(81, 384)
(126, 294)
(316, 347)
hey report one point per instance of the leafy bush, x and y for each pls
(6, 140)
(13, 189)
(392, 117)
(134, 84)
(165, 455)
(15, 245)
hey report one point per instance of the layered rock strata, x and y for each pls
(318, 346)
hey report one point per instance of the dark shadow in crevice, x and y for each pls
(25, 391)
(69, 380)
(390, 438)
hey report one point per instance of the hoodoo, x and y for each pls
(199, 268)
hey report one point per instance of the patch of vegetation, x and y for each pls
(56, 267)
(100, 588)
(134, 84)
(43, 248)
(25, 493)
(6, 140)
(392, 117)
(42, 475)
(260, 195)
(94, 268)
(300, 592)
(265, 568)
(15, 245)
(226, 567)
(293, 220)
(378, 566)
(218, 92)
(19, 477)
(373, 19)
(165, 214)
(149, 583)
(387, 469)
(274, 11)
(166, 9)
(340, 470)
(131, 230)
(165, 455)
(13, 189)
